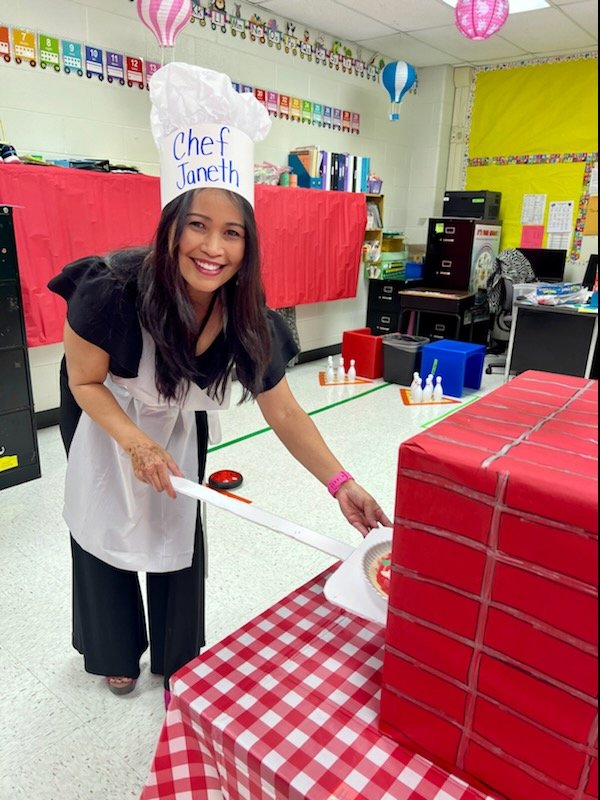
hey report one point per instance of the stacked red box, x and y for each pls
(491, 658)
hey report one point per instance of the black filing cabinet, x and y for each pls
(19, 455)
(383, 305)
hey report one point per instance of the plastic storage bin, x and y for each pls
(366, 350)
(459, 363)
(414, 270)
(401, 357)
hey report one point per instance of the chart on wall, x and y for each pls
(81, 59)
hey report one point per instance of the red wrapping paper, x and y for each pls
(310, 240)
(491, 656)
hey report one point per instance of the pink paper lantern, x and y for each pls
(165, 18)
(480, 19)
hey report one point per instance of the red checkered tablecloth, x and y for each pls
(286, 708)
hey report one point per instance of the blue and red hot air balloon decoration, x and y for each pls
(165, 18)
(397, 78)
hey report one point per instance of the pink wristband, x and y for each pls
(337, 481)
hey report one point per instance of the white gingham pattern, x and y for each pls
(286, 709)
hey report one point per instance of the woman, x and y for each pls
(151, 340)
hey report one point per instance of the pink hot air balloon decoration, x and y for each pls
(165, 18)
(480, 19)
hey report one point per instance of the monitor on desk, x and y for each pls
(591, 272)
(548, 265)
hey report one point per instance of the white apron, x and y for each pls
(113, 515)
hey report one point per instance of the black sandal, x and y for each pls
(121, 684)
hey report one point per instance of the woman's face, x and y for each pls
(212, 244)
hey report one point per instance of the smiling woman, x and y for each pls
(152, 339)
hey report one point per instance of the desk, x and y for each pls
(557, 339)
(443, 314)
(286, 709)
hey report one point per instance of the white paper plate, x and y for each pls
(370, 559)
(350, 588)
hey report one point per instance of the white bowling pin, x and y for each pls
(428, 389)
(416, 389)
(438, 392)
(341, 372)
(330, 373)
(352, 370)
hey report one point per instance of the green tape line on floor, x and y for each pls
(310, 414)
(449, 413)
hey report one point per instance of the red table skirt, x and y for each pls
(310, 240)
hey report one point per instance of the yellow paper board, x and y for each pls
(537, 108)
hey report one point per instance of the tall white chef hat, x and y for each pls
(204, 130)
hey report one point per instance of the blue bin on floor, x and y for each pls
(460, 364)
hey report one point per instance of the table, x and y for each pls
(559, 339)
(286, 708)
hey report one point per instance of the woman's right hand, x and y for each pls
(154, 466)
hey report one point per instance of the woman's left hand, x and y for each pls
(359, 508)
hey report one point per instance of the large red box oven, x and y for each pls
(490, 666)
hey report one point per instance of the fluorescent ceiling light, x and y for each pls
(515, 6)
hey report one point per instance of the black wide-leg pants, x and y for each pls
(109, 625)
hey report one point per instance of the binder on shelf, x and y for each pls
(334, 172)
(364, 176)
(325, 169)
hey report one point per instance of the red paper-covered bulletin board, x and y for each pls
(310, 240)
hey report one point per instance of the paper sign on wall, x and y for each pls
(560, 217)
(532, 236)
(532, 212)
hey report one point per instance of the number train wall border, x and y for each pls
(82, 59)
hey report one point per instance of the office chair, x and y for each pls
(511, 267)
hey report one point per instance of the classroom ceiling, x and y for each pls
(423, 32)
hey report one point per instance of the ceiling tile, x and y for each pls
(401, 47)
(545, 31)
(451, 41)
(583, 13)
(407, 15)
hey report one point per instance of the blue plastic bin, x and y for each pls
(460, 364)
(414, 270)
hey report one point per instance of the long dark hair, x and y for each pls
(167, 313)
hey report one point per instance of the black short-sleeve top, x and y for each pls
(102, 309)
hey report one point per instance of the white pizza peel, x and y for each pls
(348, 587)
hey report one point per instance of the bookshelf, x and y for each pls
(374, 230)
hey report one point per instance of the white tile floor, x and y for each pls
(63, 734)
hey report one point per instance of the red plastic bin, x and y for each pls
(366, 350)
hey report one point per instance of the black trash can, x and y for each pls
(402, 357)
